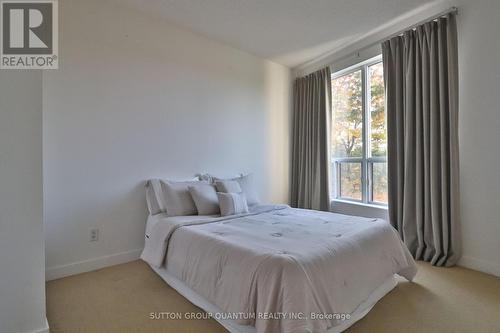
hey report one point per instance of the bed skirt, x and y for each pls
(233, 327)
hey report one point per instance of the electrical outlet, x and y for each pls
(94, 235)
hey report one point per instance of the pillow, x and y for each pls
(228, 186)
(232, 203)
(155, 195)
(178, 200)
(205, 199)
(247, 186)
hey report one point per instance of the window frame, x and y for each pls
(366, 159)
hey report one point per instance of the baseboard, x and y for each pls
(56, 272)
(480, 265)
(44, 329)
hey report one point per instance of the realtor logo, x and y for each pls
(29, 34)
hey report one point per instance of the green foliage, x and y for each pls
(378, 122)
(347, 129)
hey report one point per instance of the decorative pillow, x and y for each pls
(205, 198)
(232, 203)
(178, 200)
(247, 186)
(228, 186)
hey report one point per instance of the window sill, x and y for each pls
(354, 203)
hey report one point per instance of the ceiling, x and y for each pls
(289, 32)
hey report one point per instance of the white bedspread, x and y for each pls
(281, 262)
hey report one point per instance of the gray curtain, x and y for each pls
(310, 141)
(421, 80)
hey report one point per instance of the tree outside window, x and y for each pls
(359, 134)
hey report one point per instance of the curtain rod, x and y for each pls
(310, 66)
(429, 19)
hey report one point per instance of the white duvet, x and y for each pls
(304, 268)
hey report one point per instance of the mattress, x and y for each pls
(289, 270)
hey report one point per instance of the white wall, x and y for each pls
(479, 54)
(22, 287)
(136, 98)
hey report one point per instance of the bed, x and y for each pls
(277, 268)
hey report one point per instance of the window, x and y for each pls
(359, 134)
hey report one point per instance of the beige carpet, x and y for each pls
(120, 299)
